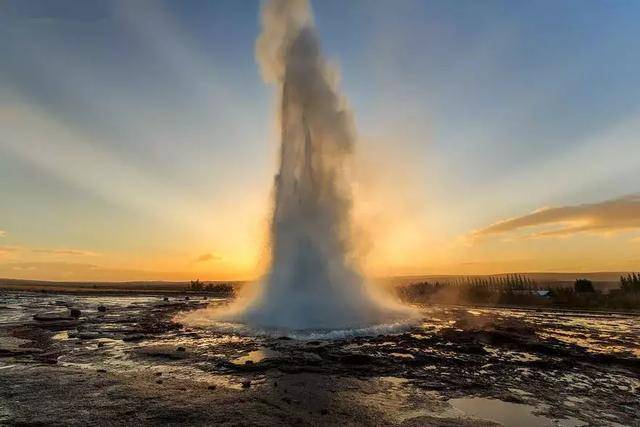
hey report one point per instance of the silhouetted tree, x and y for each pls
(196, 285)
(583, 285)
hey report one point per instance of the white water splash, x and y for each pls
(313, 281)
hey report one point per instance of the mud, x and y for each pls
(133, 363)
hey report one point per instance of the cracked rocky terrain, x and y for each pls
(125, 359)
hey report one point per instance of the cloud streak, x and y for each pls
(621, 214)
(208, 257)
(4, 250)
(73, 252)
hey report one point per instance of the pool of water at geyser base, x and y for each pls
(509, 414)
(307, 334)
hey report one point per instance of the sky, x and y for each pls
(138, 140)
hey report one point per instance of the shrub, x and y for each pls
(583, 285)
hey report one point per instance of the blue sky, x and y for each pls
(141, 134)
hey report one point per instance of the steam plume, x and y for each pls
(313, 280)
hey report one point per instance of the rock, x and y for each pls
(49, 358)
(211, 387)
(472, 348)
(134, 338)
(51, 317)
(187, 298)
(19, 351)
(311, 358)
(357, 359)
(102, 308)
(160, 351)
(165, 299)
(102, 371)
(159, 381)
(158, 374)
(246, 383)
(181, 349)
(89, 335)
(75, 312)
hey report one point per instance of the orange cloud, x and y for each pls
(608, 216)
(4, 250)
(208, 257)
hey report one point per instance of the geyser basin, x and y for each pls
(313, 280)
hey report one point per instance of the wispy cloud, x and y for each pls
(208, 257)
(73, 252)
(5, 250)
(603, 217)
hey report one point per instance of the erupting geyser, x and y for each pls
(313, 282)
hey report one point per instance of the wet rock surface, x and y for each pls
(132, 362)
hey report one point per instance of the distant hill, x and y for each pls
(603, 280)
(136, 286)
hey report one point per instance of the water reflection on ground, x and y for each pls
(509, 366)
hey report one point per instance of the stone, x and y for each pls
(102, 308)
(134, 338)
(51, 317)
(357, 359)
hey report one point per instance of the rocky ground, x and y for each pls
(120, 360)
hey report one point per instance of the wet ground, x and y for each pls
(125, 359)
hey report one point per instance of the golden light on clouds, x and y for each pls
(622, 214)
(159, 165)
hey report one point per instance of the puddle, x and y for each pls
(257, 356)
(402, 355)
(508, 414)
(61, 336)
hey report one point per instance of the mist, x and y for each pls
(313, 281)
